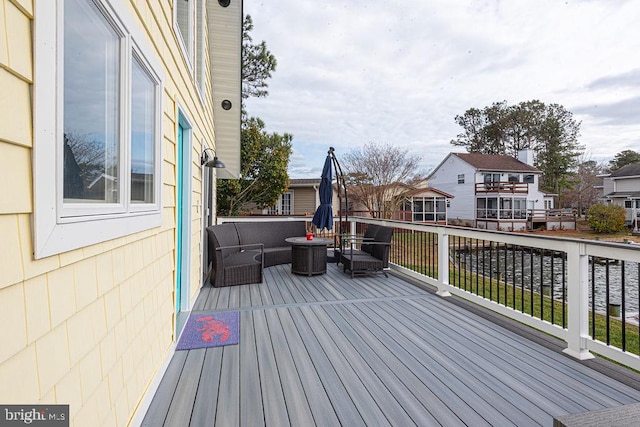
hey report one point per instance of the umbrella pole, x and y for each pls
(342, 185)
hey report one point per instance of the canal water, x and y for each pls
(528, 269)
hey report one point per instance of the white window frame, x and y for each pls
(187, 46)
(59, 227)
(460, 178)
(194, 49)
(277, 209)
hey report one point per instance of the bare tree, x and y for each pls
(378, 176)
(583, 192)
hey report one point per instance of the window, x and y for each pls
(514, 177)
(284, 206)
(429, 209)
(190, 28)
(97, 137)
(506, 208)
(184, 22)
(519, 208)
(461, 178)
(481, 207)
(528, 178)
(491, 177)
(143, 136)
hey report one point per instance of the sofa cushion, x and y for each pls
(275, 256)
(271, 233)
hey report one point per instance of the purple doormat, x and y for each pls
(210, 330)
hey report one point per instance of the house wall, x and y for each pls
(628, 184)
(608, 186)
(90, 327)
(304, 201)
(445, 179)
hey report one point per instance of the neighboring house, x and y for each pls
(490, 191)
(622, 187)
(106, 107)
(426, 205)
(414, 204)
(301, 199)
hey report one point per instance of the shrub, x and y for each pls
(606, 218)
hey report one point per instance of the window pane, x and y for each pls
(143, 102)
(183, 17)
(91, 105)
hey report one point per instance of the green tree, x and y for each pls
(606, 218)
(257, 63)
(557, 149)
(624, 158)
(264, 157)
(378, 175)
(549, 130)
(263, 168)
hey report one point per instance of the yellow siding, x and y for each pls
(89, 327)
(4, 54)
(15, 120)
(18, 27)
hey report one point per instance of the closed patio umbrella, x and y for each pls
(323, 218)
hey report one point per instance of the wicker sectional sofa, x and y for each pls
(239, 251)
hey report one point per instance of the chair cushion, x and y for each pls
(222, 235)
(369, 234)
(383, 235)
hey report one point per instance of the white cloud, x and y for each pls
(350, 72)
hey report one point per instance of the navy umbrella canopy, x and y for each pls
(323, 217)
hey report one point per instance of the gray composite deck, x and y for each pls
(329, 350)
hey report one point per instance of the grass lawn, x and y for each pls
(415, 251)
(583, 231)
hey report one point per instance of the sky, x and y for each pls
(398, 72)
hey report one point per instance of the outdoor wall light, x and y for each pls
(210, 162)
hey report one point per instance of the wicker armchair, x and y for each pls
(373, 255)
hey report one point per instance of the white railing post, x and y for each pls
(353, 228)
(577, 301)
(443, 263)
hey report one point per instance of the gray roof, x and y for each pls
(304, 181)
(632, 169)
(623, 194)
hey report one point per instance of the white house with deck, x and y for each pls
(622, 187)
(496, 192)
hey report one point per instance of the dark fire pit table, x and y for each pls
(308, 257)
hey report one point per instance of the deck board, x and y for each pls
(330, 350)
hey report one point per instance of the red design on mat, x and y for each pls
(212, 328)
